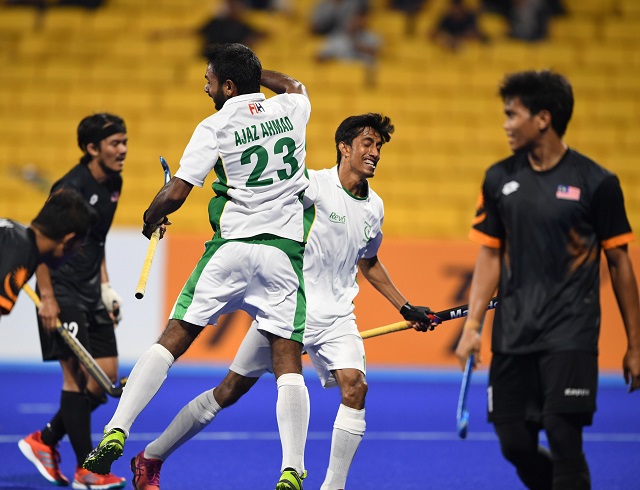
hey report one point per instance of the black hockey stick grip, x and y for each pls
(440, 316)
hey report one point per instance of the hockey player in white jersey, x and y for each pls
(256, 147)
(343, 219)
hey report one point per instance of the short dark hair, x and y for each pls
(353, 126)
(542, 90)
(66, 211)
(95, 128)
(235, 62)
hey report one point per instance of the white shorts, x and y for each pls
(262, 277)
(344, 351)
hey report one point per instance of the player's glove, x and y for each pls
(112, 301)
(418, 314)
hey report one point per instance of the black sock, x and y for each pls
(76, 414)
(54, 431)
(96, 400)
(538, 475)
(571, 474)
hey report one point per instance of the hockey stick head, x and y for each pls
(165, 168)
(463, 423)
(462, 413)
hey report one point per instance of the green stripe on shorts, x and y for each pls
(186, 295)
(294, 251)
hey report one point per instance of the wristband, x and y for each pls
(405, 308)
(471, 325)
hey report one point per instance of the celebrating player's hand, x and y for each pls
(421, 316)
(149, 228)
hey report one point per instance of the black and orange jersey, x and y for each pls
(18, 261)
(550, 227)
(77, 281)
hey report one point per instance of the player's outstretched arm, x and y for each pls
(376, 273)
(625, 288)
(280, 83)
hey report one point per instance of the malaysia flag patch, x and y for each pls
(568, 192)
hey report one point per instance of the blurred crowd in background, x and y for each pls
(432, 65)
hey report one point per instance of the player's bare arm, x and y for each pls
(625, 288)
(486, 275)
(170, 198)
(281, 83)
(376, 273)
(49, 309)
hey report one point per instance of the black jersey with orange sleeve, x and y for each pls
(550, 227)
(19, 258)
(77, 282)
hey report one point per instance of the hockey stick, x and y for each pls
(81, 353)
(153, 243)
(438, 317)
(462, 412)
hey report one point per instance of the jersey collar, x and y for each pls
(240, 99)
(336, 180)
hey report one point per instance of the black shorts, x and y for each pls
(526, 387)
(94, 329)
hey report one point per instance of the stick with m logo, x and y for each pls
(438, 317)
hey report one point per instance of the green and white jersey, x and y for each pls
(343, 230)
(256, 146)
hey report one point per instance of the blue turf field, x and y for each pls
(410, 441)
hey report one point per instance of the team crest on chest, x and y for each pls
(367, 231)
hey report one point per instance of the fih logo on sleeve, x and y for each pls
(255, 108)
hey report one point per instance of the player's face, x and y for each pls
(521, 126)
(364, 153)
(113, 152)
(214, 89)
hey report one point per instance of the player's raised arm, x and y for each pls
(281, 83)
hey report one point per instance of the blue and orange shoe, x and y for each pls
(85, 479)
(45, 458)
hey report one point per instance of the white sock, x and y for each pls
(292, 412)
(145, 380)
(348, 430)
(193, 417)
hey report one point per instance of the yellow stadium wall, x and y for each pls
(435, 273)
